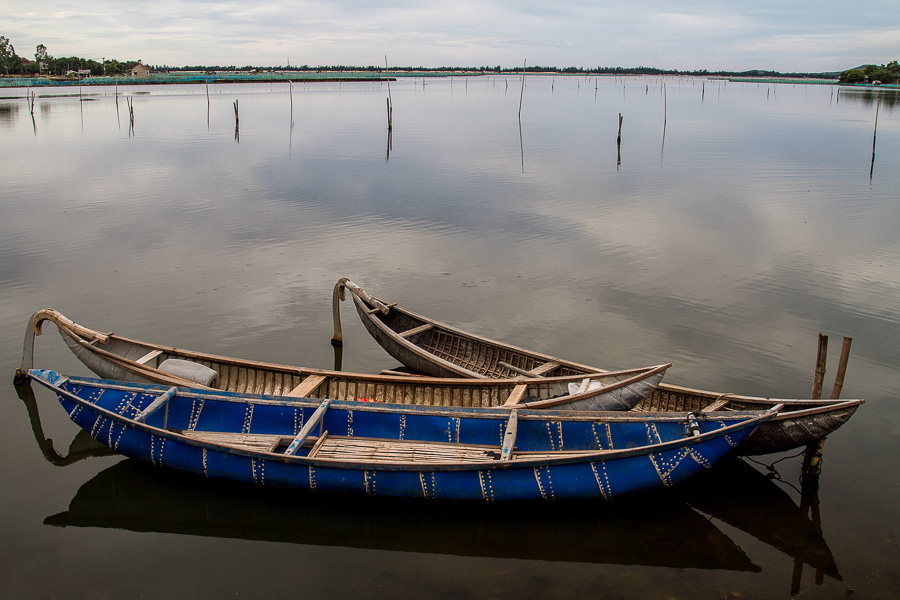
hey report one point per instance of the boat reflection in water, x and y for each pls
(737, 494)
(668, 528)
(138, 497)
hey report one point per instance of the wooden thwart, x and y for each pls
(307, 386)
(724, 400)
(148, 357)
(515, 369)
(155, 405)
(544, 368)
(517, 394)
(535, 372)
(411, 332)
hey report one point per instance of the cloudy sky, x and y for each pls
(825, 35)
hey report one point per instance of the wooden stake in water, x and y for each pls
(665, 119)
(619, 143)
(237, 123)
(842, 369)
(821, 357)
(874, 134)
(812, 456)
(390, 105)
(522, 93)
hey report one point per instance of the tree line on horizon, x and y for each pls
(641, 70)
(12, 64)
(889, 73)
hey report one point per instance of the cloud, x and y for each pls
(686, 35)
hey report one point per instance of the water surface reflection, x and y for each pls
(760, 228)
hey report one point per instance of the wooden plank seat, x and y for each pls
(544, 368)
(538, 371)
(307, 386)
(148, 357)
(411, 332)
(157, 404)
(723, 400)
(517, 394)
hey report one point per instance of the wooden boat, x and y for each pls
(428, 346)
(389, 450)
(115, 357)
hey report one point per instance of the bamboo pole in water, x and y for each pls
(821, 357)
(842, 369)
(874, 135)
(390, 105)
(522, 93)
(812, 456)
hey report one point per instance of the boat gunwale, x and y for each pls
(491, 412)
(599, 456)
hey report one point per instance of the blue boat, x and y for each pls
(486, 454)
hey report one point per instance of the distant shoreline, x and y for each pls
(196, 77)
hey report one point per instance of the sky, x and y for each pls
(736, 35)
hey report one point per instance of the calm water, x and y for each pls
(739, 221)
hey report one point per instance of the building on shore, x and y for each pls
(140, 70)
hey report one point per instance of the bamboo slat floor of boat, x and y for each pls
(357, 448)
(400, 451)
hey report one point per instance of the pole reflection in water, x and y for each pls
(338, 356)
(82, 446)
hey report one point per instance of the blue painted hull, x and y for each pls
(597, 455)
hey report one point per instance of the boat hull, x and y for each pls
(604, 457)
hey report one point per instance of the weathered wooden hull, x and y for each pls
(413, 451)
(439, 348)
(116, 357)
